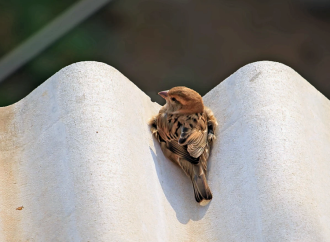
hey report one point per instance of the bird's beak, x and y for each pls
(163, 94)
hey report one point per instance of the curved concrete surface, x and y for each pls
(77, 154)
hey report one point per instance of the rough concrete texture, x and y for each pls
(77, 154)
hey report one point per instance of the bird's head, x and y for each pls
(182, 100)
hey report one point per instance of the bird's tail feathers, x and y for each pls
(203, 194)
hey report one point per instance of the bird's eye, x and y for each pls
(173, 99)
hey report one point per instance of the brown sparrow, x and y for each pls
(185, 128)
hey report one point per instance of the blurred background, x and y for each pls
(159, 44)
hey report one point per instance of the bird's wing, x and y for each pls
(186, 136)
(194, 136)
(169, 131)
(194, 133)
(196, 143)
(181, 151)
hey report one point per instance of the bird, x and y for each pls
(185, 130)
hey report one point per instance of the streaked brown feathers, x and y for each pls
(185, 129)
